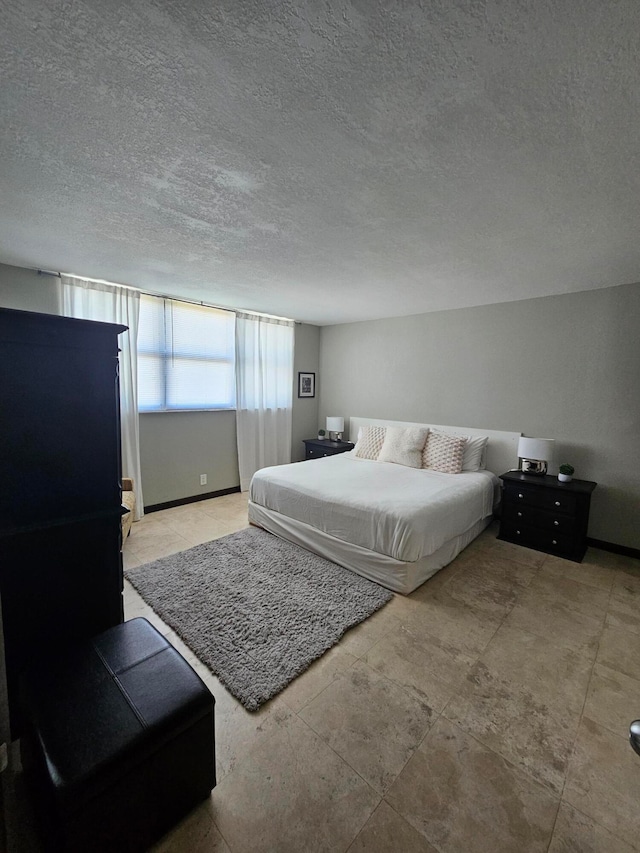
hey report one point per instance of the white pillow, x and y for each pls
(370, 441)
(474, 452)
(404, 446)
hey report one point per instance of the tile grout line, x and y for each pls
(394, 685)
(577, 729)
(442, 715)
(489, 641)
(523, 770)
(353, 770)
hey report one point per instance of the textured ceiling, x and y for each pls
(327, 161)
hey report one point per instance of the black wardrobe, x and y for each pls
(60, 486)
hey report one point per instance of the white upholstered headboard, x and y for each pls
(502, 447)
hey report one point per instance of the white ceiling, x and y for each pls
(327, 161)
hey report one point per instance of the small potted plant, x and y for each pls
(565, 473)
(321, 434)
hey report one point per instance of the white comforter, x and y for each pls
(404, 513)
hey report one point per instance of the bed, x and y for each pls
(393, 524)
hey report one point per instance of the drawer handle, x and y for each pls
(556, 523)
(520, 495)
(519, 515)
(553, 542)
(518, 532)
(557, 503)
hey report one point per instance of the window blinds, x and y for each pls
(185, 356)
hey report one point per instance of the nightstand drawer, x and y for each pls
(554, 522)
(315, 453)
(541, 513)
(316, 449)
(541, 540)
(547, 498)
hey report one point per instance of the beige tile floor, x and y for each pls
(488, 711)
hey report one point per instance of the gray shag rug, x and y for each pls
(255, 609)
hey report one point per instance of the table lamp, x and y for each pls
(335, 427)
(535, 454)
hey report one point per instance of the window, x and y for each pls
(186, 356)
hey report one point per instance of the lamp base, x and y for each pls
(335, 436)
(534, 466)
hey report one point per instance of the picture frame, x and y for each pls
(306, 385)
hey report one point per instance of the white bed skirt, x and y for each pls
(393, 574)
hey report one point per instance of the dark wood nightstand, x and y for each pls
(545, 514)
(315, 447)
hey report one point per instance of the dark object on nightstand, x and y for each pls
(545, 514)
(316, 448)
(118, 743)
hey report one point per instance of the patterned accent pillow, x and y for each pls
(370, 441)
(443, 452)
(474, 451)
(404, 446)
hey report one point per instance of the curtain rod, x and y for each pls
(166, 296)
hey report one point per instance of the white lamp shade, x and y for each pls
(540, 449)
(335, 424)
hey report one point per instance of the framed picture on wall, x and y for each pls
(306, 385)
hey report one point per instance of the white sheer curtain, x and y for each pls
(90, 300)
(264, 383)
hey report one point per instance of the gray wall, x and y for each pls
(176, 447)
(562, 367)
(25, 290)
(305, 409)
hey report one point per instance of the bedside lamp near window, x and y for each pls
(535, 454)
(335, 428)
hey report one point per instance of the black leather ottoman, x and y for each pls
(119, 742)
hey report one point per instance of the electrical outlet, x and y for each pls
(203, 479)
